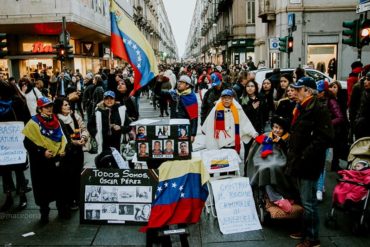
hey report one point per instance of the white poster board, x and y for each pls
(236, 211)
(12, 150)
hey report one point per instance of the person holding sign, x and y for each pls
(222, 125)
(13, 107)
(46, 143)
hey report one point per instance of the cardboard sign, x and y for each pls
(116, 196)
(163, 140)
(12, 150)
(235, 207)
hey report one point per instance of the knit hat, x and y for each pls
(43, 101)
(216, 79)
(322, 86)
(356, 64)
(282, 122)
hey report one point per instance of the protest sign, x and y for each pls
(235, 207)
(116, 196)
(12, 150)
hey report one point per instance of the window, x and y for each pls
(251, 15)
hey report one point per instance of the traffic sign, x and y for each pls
(274, 44)
(291, 19)
(363, 6)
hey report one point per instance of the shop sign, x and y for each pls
(38, 47)
(87, 48)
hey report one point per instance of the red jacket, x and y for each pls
(352, 80)
(346, 191)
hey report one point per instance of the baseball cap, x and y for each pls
(186, 79)
(109, 94)
(216, 80)
(305, 81)
(227, 92)
(322, 85)
(43, 101)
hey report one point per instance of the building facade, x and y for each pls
(34, 27)
(318, 35)
(222, 31)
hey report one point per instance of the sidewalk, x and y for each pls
(206, 233)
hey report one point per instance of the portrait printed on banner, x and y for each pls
(142, 212)
(143, 149)
(183, 149)
(162, 131)
(141, 132)
(168, 147)
(183, 132)
(157, 148)
(126, 209)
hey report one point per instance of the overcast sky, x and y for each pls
(179, 13)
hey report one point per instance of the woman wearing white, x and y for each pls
(31, 93)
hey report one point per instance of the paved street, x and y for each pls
(206, 233)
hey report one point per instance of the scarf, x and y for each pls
(220, 123)
(267, 143)
(299, 107)
(72, 123)
(49, 126)
(189, 100)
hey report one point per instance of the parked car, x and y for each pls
(317, 75)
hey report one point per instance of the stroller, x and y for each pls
(351, 194)
(270, 171)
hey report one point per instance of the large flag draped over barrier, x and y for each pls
(181, 193)
(129, 44)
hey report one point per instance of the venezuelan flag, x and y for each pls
(129, 44)
(180, 195)
(191, 105)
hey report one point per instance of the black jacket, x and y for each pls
(209, 100)
(311, 134)
(362, 121)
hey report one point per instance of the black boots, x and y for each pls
(22, 201)
(44, 210)
(8, 202)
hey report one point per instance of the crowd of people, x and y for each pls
(63, 113)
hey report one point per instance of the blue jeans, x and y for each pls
(321, 181)
(307, 191)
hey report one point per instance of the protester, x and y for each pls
(184, 104)
(111, 122)
(211, 96)
(362, 121)
(286, 105)
(45, 143)
(13, 108)
(227, 126)
(72, 163)
(311, 134)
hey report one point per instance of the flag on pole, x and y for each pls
(129, 44)
(181, 194)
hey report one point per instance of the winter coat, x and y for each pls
(31, 99)
(129, 102)
(362, 121)
(355, 102)
(106, 136)
(87, 99)
(310, 136)
(352, 80)
(255, 115)
(238, 89)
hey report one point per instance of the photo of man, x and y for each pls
(143, 149)
(157, 147)
(141, 133)
(168, 147)
(183, 149)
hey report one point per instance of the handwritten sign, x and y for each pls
(236, 211)
(12, 150)
(116, 196)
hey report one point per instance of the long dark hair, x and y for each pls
(58, 104)
(255, 85)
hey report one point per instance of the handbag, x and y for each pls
(93, 146)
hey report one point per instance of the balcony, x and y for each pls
(267, 10)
